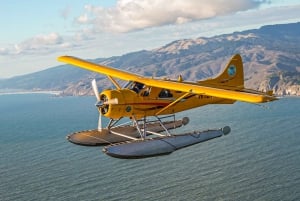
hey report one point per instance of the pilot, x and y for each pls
(165, 93)
(137, 87)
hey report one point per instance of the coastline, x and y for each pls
(56, 93)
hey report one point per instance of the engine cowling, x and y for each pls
(117, 103)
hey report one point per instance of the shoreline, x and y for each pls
(56, 93)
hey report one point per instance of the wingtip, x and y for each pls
(62, 58)
(268, 98)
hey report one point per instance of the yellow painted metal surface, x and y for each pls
(226, 88)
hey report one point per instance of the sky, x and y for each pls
(34, 33)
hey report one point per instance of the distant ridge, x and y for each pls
(271, 58)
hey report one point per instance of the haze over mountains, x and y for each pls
(271, 58)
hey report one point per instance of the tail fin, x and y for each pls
(232, 76)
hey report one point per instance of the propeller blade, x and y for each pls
(98, 104)
(100, 122)
(95, 89)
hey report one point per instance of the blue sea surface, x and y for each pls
(258, 160)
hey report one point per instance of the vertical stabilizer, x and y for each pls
(232, 76)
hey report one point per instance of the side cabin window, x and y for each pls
(165, 93)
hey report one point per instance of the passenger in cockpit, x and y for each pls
(137, 87)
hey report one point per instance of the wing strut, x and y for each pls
(114, 82)
(172, 103)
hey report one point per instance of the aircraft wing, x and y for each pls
(105, 70)
(239, 95)
(251, 96)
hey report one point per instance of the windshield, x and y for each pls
(128, 85)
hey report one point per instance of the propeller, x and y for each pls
(98, 104)
(95, 89)
(102, 103)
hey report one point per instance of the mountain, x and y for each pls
(271, 58)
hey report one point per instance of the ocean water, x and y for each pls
(258, 160)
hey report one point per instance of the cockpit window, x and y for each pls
(128, 85)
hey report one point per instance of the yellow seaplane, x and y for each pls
(151, 104)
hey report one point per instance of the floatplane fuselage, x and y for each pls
(142, 98)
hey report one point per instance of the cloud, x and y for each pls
(4, 51)
(38, 44)
(83, 19)
(130, 15)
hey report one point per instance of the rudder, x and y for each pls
(232, 76)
